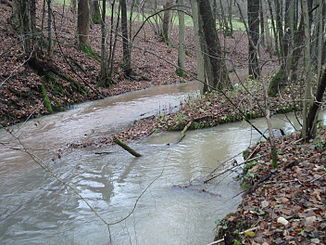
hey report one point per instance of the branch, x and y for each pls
(126, 147)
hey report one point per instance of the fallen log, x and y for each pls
(183, 132)
(126, 147)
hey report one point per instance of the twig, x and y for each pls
(317, 178)
(230, 169)
(241, 233)
(137, 200)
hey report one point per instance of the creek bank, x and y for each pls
(285, 205)
(207, 111)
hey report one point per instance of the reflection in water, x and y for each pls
(35, 209)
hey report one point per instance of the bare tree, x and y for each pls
(181, 50)
(95, 11)
(165, 33)
(253, 35)
(125, 39)
(83, 24)
(25, 23)
(216, 58)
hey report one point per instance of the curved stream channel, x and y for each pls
(37, 209)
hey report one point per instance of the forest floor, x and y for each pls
(285, 205)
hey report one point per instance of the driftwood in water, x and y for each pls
(126, 147)
(196, 187)
(183, 132)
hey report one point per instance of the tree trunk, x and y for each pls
(216, 57)
(253, 26)
(181, 51)
(125, 39)
(95, 11)
(104, 78)
(166, 22)
(83, 24)
(49, 27)
(199, 42)
(320, 43)
(307, 70)
(262, 23)
(313, 111)
(73, 6)
(25, 24)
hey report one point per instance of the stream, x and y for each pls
(37, 209)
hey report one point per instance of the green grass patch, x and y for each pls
(139, 17)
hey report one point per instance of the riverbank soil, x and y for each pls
(283, 205)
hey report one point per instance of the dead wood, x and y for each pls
(183, 132)
(126, 147)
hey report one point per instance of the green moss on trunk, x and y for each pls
(276, 81)
(46, 99)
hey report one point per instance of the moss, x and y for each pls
(249, 165)
(46, 99)
(56, 87)
(96, 18)
(89, 51)
(180, 73)
(245, 154)
(57, 106)
(276, 81)
(245, 185)
(76, 86)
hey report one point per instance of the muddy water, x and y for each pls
(45, 135)
(36, 209)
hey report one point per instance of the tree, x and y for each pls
(104, 77)
(309, 130)
(253, 36)
(49, 27)
(83, 24)
(25, 24)
(199, 43)
(220, 77)
(95, 12)
(166, 21)
(181, 50)
(125, 39)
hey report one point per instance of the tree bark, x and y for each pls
(104, 78)
(166, 22)
(95, 11)
(307, 69)
(83, 24)
(49, 27)
(25, 24)
(253, 26)
(220, 76)
(181, 50)
(199, 42)
(125, 39)
(313, 115)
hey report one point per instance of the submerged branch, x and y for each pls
(126, 147)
